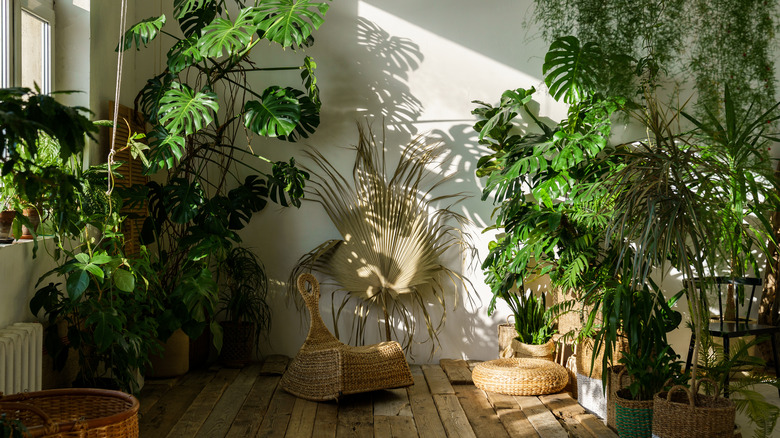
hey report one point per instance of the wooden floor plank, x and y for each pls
(248, 419)
(277, 418)
(190, 423)
(540, 417)
(437, 380)
(327, 420)
(275, 365)
(501, 401)
(151, 393)
(356, 417)
(218, 423)
(575, 428)
(397, 426)
(426, 417)
(391, 403)
(452, 416)
(480, 413)
(302, 418)
(596, 427)
(457, 371)
(166, 412)
(516, 424)
(562, 405)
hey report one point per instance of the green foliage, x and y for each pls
(244, 288)
(533, 323)
(11, 428)
(142, 33)
(202, 108)
(572, 71)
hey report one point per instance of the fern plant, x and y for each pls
(202, 107)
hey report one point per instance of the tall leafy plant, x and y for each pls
(394, 236)
(548, 224)
(201, 108)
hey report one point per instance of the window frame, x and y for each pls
(11, 49)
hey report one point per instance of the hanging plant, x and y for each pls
(389, 259)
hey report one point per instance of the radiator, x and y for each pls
(21, 361)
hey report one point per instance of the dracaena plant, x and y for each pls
(205, 108)
(389, 260)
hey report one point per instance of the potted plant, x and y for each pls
(244, 287)
(203, 112)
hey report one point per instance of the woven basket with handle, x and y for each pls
(74, 413)
(684, 413)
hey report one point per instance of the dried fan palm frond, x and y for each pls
(388, 260)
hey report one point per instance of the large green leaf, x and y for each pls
(290, 22)
(572, 71)
(223, 35)
(184, 111)
(192, 23)
(277, 114)
(142, 33)
(124, 280)
(184, 7)
(106, 322)
(183, 54)
(310, 80)
(149, 97)
(183, 199)
(165, 150)
(309, 120)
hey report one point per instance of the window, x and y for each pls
(26, 43)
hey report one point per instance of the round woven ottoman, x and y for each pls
(520, 376)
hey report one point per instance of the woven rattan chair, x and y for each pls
(326, 368)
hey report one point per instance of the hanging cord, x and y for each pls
(119, 64)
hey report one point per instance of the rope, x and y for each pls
(119, 64)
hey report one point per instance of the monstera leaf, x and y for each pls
(223, 35)
(185, 111)
(149, 96)
(166, 149)
(246, 199)
(142, 33)
(290, 22)
(309, 120)
(192, 23)
(310, 81)
(572, 71)
(276, 114)
(184, 54)
(182, 199)
(184, 7)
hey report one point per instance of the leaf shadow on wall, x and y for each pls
(385, 73)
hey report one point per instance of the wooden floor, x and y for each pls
(443, 402)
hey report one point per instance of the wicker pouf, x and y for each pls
(520, 376)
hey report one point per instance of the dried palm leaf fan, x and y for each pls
(388, 260)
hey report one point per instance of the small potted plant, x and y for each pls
(8, 204)
(533, 324)
(244, 287)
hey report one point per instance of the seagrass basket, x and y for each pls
(617, 381)
(520, 376)
(684, 413)
(74, 413)
(633, 418)
(325, 368)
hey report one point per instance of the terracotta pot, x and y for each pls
(174, 359)
(35, 219)
(238, 341)
(6, 220)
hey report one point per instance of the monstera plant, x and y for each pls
(205, 109)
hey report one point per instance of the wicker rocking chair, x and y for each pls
(326, 368)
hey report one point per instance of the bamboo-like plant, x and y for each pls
(393, 238)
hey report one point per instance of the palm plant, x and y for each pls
(393, 238)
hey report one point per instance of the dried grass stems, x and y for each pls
(388, 263)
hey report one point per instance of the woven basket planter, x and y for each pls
(238, 343)
(72, 413)
(682, 413)
(522, 350)
(617, 381)
(520, 376)
(633, 418)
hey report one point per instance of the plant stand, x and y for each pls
(238, 343)
(174, 359)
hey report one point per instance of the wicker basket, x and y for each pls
(325, 368)
(71, 413)
(682, 413)
(617, 381)
(633, 418)
(519, 376)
